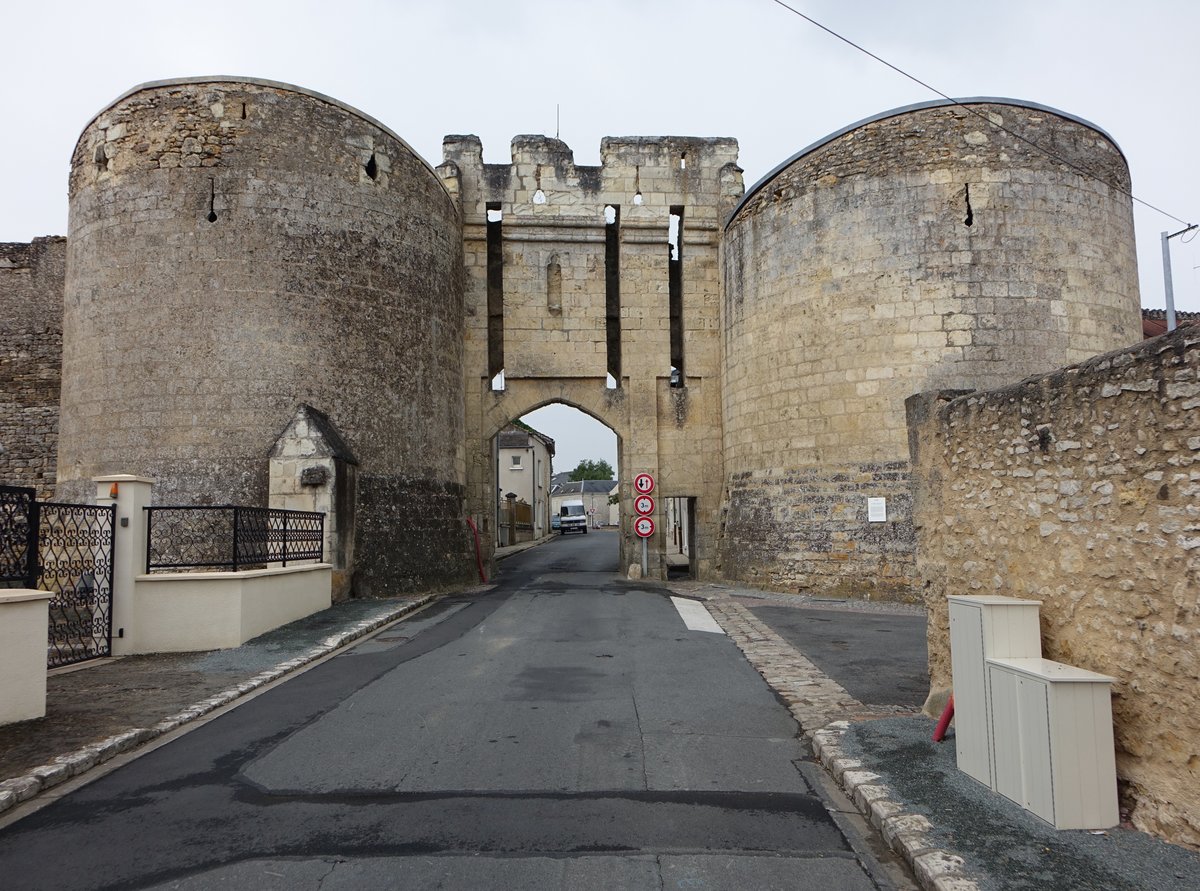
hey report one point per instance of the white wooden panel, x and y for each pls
(1013, 629)
(1065, 740)
(1102, 811)
(982, 627)
(1084, 761)
(1006, 734)
(1037, 777)
(971, 745)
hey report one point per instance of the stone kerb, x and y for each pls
(24, 617)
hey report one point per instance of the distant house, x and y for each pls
(523, 458)
(594, 495)
(1154, 321)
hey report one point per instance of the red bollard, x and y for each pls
(939, 732)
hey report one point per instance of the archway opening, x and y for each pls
(556, 471)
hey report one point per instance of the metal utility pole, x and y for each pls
(1167, 284)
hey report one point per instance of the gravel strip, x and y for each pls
(998, 845)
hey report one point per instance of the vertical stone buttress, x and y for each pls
(238, 248)
(557, 306)
(923, 249)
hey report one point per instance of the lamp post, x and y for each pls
(1167, 284)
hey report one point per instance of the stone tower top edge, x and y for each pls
(235, 80)
(906, 110)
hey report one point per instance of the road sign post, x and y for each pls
(643, 528)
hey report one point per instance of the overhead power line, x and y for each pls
(1045, 151)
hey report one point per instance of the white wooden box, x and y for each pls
(981, 628)
(1052, 739)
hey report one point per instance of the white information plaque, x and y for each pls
(876, 510)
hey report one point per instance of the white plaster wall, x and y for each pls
(192, 611)
(24, 618)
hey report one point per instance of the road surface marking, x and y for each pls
(695, 616)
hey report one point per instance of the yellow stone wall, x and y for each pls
(927, 248)
(1081, 488)
(555, 346)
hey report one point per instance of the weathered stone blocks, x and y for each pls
(925, 247)
(31, 295)
(237, 248)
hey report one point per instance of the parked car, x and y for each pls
(555, 523)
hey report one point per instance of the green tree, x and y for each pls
(592, 470)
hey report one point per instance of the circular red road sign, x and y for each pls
(643, 504)
(644, 527)
(643, 484)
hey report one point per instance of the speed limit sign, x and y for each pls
(644, 527)
(643, 484)
(643, 504)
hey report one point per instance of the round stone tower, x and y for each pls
(237, 248)
(928, 247)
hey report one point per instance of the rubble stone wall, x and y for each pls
(1081, 488)
(31, 304)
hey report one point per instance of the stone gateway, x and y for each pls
(238, 249)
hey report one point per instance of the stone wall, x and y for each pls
(555, 277)
(924, 248)
(237, 248)
(1081, 488)
(31, 305)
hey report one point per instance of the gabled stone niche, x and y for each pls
(313, 469)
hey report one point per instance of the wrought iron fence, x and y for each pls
(231, 537)
(18, 538)
(65, 549)
(74, 562)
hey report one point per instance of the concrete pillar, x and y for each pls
(131, 494)
(24, 620)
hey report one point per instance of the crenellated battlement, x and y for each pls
(636, 172)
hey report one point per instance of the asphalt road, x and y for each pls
(565, 730)
(879, 657)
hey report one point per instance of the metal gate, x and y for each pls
(66, 549)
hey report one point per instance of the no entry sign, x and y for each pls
(643, 484)
(643, 504)
(644, 527)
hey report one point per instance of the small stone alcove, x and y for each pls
(312, 468)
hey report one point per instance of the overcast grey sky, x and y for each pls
(742, 68)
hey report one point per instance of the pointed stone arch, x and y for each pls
(498, 409)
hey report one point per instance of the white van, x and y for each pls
(573, 518)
